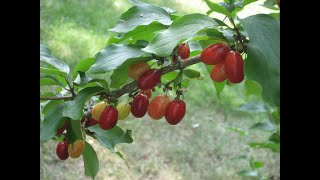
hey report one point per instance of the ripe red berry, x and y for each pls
(139, 105)
(91, 122)
(150, 79)
(108, 118)
(64, 127)
(157, 106)
(218, 73)
(214, 54)
(175, 111)
(62, 150)
(174, 59)
(234, 65)
(146, 92)
(184, 51)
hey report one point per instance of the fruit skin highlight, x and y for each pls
(108, 118)
(123, 110)
(135, 71)
(214, 53)
(150, 79)
(234, 67)
(146, 92)
(175, 111)
(97, 110)
(218, 73)
(157, 106)
(139, 105)
(76, 149)
(62, 150)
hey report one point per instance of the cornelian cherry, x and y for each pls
(157, 106)
(214, 54)
(184, 51)
(108, 118)
(139, 105)
(64, 127)
(175, 111)
(62, 150)
(149, 79)
(218, 73)
(146, 92)
(137, 70)
(234, 65)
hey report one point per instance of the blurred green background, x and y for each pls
(202, 146)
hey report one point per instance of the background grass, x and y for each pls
(200, 147)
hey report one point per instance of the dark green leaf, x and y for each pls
(90, 160)
(220, 23)
(109, 138)
(275, 137)
(248, 173)
(264, 126)
(74, 108)
(252, 88)
(51, 80)
(184, 27)
(76, 129)
(82, 79)
(141, 32)
(275, 147)
(46, 56)
(246, 2)
(52, 71)
(191, 73)
(82, 66)
(214, 7)
(270, 4)
(52, 122)
(141, 14)
(263, 62)
(50, 105)
(113, 56)
(119, 77)
(120, 155)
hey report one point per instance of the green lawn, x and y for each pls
(200, 147)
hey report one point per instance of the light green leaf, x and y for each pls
(74, 108)
(52, 71)
(90, 160)
(169, 76)
(52, 122)
(113, 56)
(82, 66)
(191, 73)
(240, 131)
(48, 81)
(46, 56)
(275, 147)
(178, 79)
(214, 7)
(109, 138)
(252, 88)
(142, 14)
(263, 62)
(257, 164)
(184, 27)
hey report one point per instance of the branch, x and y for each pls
(57, 98)
(133, 85)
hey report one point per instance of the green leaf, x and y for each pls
(141, 14)
(46, 56)
(138, 3)
(76, 128)
(252, 88)
(184, 27)
(119, 77)
(109, 138)
(178, 79)
(270, 4)
(257, 164)
(185, 83)
(219, 86)
(82, 66)
(169, 76)
(113, 56)
(141, 32)
(82, 79)
(263, 62)
(275, 147)
(50, 105)
(74, 109)
(51, 80)
(264, 127)
(191, 73)
(275, 137)
(240, 131)
(52, 122)
(52, 71)
(246, 2)
(217, 8)
(276, 116)
(90, 160)
(248, 173)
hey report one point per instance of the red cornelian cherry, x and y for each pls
(64, 127)
(62, 150)
(234, 67)
(139, 105)
(218, 73)
(184, 51)
(108, 118)
(214, 54)
(146, 92)
(175, 111)
(157, 106)
(150, 79)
